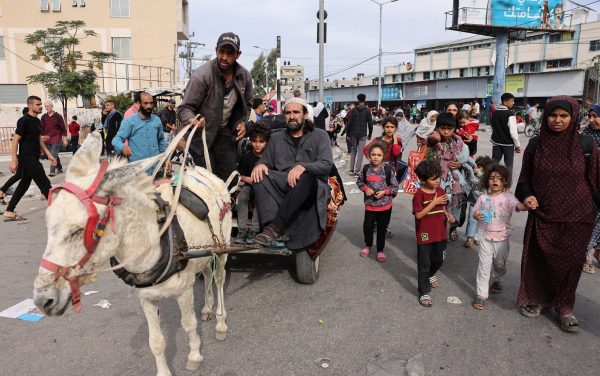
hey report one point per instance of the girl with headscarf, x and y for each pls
(557, 187)
(593, 130)
(406, 130)
(426, 128)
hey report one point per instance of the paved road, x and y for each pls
(369, 312)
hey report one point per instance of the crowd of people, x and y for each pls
(285, 171)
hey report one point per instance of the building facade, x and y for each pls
(292, 78)
(542, 65)
(145, 44)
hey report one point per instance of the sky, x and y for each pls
(352, 30)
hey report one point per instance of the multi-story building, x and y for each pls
(292, 78)
(145, 45)
(542, 65)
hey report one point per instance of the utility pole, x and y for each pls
(278, 74)
(188, 56)
(321, 49)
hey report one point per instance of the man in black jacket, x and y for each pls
(360, 129)
(220, 91)
(505, 137)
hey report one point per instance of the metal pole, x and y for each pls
(500, 67)
(278, 61)
(379, 75)
(266, 75)
(321, 49)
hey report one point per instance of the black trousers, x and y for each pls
(302, 196)
(508, 152)
(223, 156)
(31, 169)
(12, 180)
(383, 220)
(430, 258)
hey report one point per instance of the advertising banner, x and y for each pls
(391, 93)
(519, 14)
(515, 84)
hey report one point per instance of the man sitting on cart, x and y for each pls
(290, 181)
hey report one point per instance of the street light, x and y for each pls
(381, 4)
(267, 50)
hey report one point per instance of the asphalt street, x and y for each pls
(359, 313)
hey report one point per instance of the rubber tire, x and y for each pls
(307, 270)
(529, 130)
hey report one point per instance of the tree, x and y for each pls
(258, 73)
(72, 76)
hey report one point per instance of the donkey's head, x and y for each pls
(74, 235)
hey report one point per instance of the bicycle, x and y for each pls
(531, 129)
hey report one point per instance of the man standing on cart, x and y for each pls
(291, 181)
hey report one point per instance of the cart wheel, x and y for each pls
(307, 269)
(529, 130)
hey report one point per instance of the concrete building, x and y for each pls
(146, 51)
(542, 65)
(292, 78)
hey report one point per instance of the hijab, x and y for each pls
(559, 177)
(427, 126)
(589, 130)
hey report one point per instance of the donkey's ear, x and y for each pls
(121, 175)
(87, 156)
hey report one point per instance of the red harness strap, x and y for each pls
(93, 232)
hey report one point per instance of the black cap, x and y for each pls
(230, 39)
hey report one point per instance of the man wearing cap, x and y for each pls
(167, 117)
(360, 128)
(290, 180)
(220, 91)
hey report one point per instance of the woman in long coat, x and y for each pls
(558, 187)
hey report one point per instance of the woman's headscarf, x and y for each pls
(427, 125)
(589, 130)
(558, 173)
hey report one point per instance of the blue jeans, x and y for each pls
(54, 150)
(243, 200)
(471, 222)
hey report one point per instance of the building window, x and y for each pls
(464, 48)
(440, 74)
(440, 51)
(595, 45)
(532, 38)
(559, 37)
(1, 47)
(422, 53)
(530, 67)
(119, 8)
(74, 3)
(44, 5)
(481, 46)
(560, 63)
(56, 5)
(426, 75)
(464, 72)
(121, 48)
(82, 3)
(407, 77)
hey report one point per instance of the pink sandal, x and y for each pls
(381, 257)
(364, 252)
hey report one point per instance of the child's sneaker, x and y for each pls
(241, 236)
(364, 252)
(251, 235)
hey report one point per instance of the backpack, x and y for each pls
(388, 174)
(587, 144)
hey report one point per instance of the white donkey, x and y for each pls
(123, 202)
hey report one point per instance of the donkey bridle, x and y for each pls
(93, 232)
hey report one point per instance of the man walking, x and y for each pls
(168, 118)
(143, 131)
(220, 91)
(54, 134)
(28, 139)
(292, 176)
(112, 123)
(505, 137)
(360, 129)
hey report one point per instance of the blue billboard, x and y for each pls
(391, 92)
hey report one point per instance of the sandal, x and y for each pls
(453, 235)
(15, 218)
(496, 288)
(267, 238)
(588, 268)
(568, 323)
(469, 242)
(364, 252)
(2, 201)
(531, 310)
(434, 282)
(425, 301)
(479, 303)
(381, 257)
